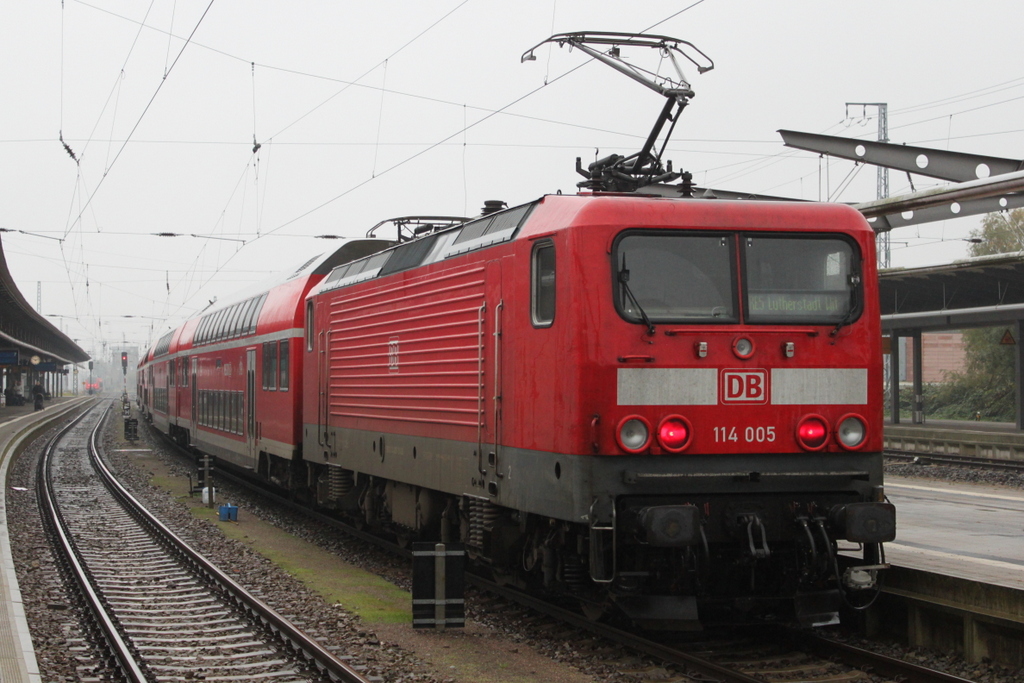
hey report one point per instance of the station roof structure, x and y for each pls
(23, 328)
(975, 292)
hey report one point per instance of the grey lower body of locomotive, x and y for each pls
(757, 501)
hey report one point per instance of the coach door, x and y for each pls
(172, 392)
(195, 395)
(250, 401)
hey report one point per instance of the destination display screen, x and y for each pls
(798, 304)
(799, 279)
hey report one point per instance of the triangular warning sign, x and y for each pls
(1007, 339)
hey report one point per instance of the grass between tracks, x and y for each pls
(370, 597)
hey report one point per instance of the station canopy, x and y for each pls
(976, 292)
(24, 330)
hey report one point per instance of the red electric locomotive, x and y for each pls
(631, 397)
(675, 399)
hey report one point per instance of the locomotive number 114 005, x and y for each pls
(746, 434)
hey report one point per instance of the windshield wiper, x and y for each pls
(624, 281)
(854, 281)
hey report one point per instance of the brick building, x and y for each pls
(941, 352)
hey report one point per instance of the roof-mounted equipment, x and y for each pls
(411, 227)
(616, 173)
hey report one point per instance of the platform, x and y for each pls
(969, 531)
(957, 577)
(17, 655)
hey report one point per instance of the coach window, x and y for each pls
(232, 322)
(282, 382)
(270, 366)
(255, 316)
(247, 311)
(184, 371)
(543, 278)
(218, 321)
(309, 325)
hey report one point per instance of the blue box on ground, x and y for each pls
(229, 513)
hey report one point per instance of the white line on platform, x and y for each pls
(959, 492)
(950, 556)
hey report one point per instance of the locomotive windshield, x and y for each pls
(798, 279)
(671, 277)
(676, 277)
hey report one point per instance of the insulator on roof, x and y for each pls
(492, 206)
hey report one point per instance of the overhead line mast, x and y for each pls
(882, 240)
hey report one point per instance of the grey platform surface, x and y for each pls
(970, 531)
(17, 655)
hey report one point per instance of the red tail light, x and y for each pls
(674, 433)
(812, 432)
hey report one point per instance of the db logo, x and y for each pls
(744, 386)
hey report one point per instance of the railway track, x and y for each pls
(784, 656)
(951, 459)
(163, 610)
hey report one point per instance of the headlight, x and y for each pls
(851, 431)
(634, 434)
(743, 347)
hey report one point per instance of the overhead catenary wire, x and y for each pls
(465, 128)
(229, 224)
(418, 154)
(427, 98)
(489, 114)
(115, 88)
(141, 116)
(373, 68)
(380, 117)
(257, 145)
(170, 35)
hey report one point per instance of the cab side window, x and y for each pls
(542, 307)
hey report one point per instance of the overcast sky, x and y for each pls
(369, 110)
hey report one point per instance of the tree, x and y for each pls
(1000, 233)
(986, 385)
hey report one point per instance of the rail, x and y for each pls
(924, 457)
(288, 633)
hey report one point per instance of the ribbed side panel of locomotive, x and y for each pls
(403, 382)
